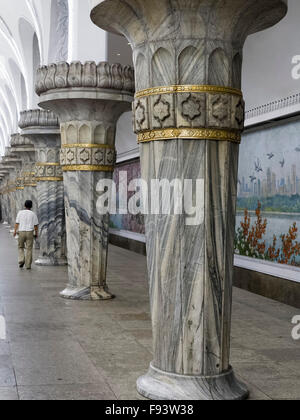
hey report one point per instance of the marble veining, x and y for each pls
(190, 267)
(88, 100)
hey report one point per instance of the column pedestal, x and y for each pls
(88, 100)
(189, 115)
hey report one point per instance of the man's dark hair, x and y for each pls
(28, 205)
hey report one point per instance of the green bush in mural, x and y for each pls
(277, 203)
(249, 241)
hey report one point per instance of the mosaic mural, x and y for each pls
(268, 204)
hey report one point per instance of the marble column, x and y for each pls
(88, 100)
(18, 147)
(13, 163)
(8, 196)
(4, 173)
(27, 185)
(189, 115)
(41, 128)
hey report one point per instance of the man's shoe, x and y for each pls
(21, 265)
(28, 268)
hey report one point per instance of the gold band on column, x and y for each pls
(88, 168)
(189, 134)
(28, 173)
(160, 90)
(50, 179)
(87, 146)
(47, 164)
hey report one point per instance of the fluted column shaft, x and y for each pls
(88, 100)
(189, 115)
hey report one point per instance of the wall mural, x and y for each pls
(268, 205)
(268, 218)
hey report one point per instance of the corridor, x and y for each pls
(58, 349)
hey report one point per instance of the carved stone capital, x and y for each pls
(18, 141)
(38, 118)
(87, 75)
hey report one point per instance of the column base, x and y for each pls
(50, 262)
(159, 385)
(86, 293)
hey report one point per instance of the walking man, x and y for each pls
(27, 226)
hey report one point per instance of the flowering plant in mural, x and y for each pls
(249, 241)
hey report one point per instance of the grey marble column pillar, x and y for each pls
(19, 146)
(88, 100)
(41, 128)
(9, 164)
(12, 162)
(4, 194)
(189, 114)
(28, 186)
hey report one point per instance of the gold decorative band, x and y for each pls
(50, 179)
(20, 188)
(188, 89)
(189, 133)
(47, 164)
(28, 173)
(30, 185)
(90, 168)
(87, 146)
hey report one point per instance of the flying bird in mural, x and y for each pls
(270, 155)
(252, 178)
(258, 167)
(282, 163)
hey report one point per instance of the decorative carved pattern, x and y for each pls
(87, 75)
(38, 118)
(141, 114)
(197, 107)
(191, 110)
(162, 111)
(240, 113)
(219, 110)
(48, 172)
(88, 156)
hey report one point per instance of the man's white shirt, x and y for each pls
(27, 220)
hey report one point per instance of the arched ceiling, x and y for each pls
(33, 33)
(24, 44)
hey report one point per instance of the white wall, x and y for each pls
(267, 68)
(87, 42)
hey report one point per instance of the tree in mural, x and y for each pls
(250, 241)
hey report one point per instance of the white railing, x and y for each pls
(273, 106)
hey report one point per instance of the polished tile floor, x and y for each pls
(59, 349)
